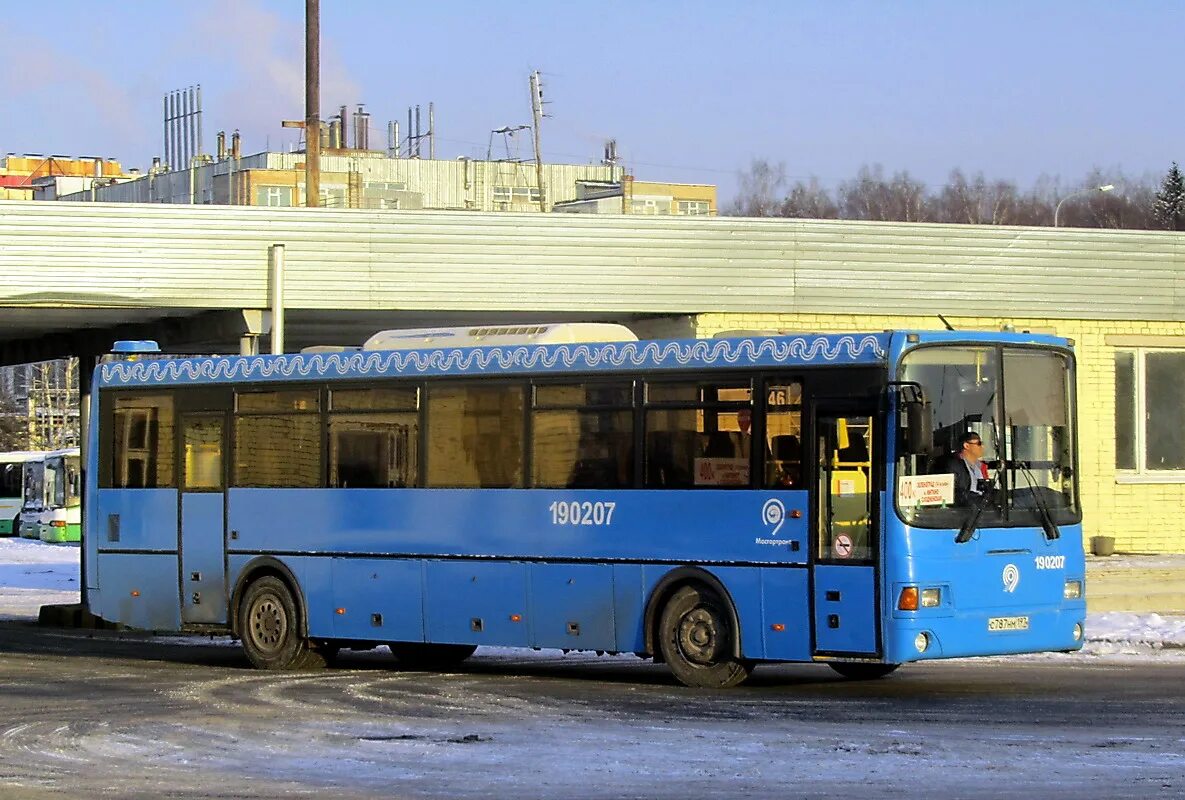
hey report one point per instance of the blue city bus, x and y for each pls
(713, 504)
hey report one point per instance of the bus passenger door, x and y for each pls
(203, 515)
(845, 529)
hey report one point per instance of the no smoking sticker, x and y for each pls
(843, 546)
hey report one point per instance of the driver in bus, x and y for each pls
(969, 469)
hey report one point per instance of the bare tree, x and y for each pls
(963, 200)
(871, 197)
(975, 201)
(809, 201)
(761, 190)
(14, 430)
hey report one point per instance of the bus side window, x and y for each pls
(783, 432)
(142, 447)
(374, 438)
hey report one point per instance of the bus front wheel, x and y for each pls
(269, 624)
(697, 640)
(862, 672)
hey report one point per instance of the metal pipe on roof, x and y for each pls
(198, 121)
(276, 285)
(363, 128)
(191, 127)
(432, 131)
(166, 126)
(172, 129)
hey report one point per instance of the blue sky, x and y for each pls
(692, 91)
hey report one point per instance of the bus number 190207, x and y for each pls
(578, 513)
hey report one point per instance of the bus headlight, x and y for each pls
(1078, 631)
(921, 642)
(931, 598)
(1072, 590)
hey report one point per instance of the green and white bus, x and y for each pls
(62, 515)
(12, 489)
(33, 507)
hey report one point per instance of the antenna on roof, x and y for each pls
(949, 327)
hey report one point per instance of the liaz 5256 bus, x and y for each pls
(62, 517)
(12, 489)
(713, 504)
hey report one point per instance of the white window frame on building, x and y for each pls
(694, 208)
(659, 206)
(506, 197)
(274, 195)
(1150, 415)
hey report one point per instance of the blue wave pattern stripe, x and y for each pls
(645, 355)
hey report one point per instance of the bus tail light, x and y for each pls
(1072, 590)
(908, 600)
(931, 598)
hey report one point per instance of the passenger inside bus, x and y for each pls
(784, 469)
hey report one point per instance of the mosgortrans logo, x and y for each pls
(773, 515)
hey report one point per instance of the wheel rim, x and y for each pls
(269, 624)
(701, 635)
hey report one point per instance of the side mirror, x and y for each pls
(919, 427)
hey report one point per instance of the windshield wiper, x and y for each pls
(972, 522)
(1047, 524)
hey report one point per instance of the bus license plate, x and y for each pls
(1008, 624)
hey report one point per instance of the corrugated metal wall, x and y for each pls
(216, 257)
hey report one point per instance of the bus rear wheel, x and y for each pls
(862, 672)
(420, 655)
(697, 640)
(269, 624)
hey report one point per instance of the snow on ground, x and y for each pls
(33, 574)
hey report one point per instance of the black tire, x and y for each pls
(270, 626)
(697, 640)
(418, 655)
(862, 672)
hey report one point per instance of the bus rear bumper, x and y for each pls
(986, 633)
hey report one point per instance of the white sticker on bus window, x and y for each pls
(926, 490)
(847, 487)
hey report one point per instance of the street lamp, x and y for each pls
(1106, 187)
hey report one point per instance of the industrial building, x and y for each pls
(32, 176)
(374, 180)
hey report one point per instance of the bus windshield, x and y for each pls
(1015, 401)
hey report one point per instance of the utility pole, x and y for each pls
(537, 115)
(312, 103)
